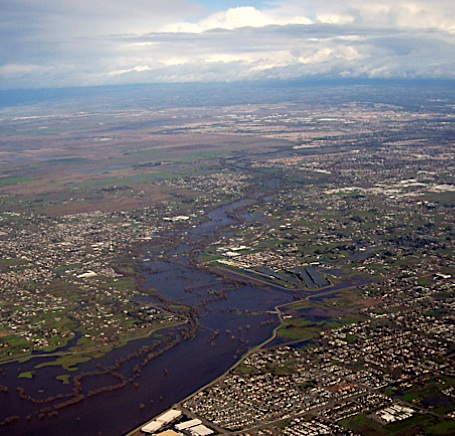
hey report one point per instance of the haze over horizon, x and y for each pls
(61, 44)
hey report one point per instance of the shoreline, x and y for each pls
(277, 309)
(179, 405)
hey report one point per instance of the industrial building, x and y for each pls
(158, 423)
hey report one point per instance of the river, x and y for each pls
(232, 318)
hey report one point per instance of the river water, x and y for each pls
(230, 325)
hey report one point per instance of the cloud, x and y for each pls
(137, 68)
(235, 18)
(13, 70)
(56, 43)
(279, 52)
(83, 18)
(437, 14)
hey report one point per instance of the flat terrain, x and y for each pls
(347, 198)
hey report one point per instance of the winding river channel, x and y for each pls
(230, 318)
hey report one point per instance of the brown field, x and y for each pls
(73, 164)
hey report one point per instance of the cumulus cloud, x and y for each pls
(234, 18)
(56, 43)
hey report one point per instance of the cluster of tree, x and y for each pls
(70, 402)
(170, 340)
(43, 412)
(9, 420)
(108, 388)
(160, 351)
(24, 396)
(240, 348)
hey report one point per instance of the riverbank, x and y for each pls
(146, 376)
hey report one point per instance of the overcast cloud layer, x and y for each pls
(49, 43)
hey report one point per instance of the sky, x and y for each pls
(61, 43)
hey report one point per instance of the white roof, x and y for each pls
(188, 424)
(152, 427)
(201, 430)
(169, 416)
(388, 417)
(87, 275)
